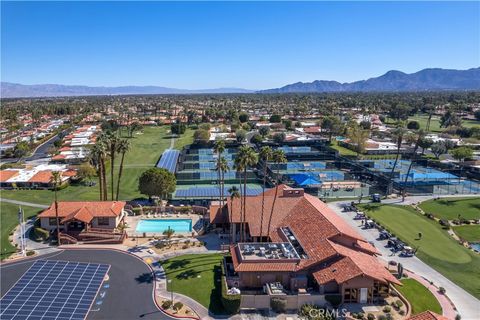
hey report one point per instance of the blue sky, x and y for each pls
(224, 44)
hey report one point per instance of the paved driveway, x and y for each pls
(467, 305)
(126, 295)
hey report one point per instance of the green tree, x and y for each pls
(221, 166)
(438, 148)
(240, 135)
(86, 172)
(279, 137)
(462, 153)
(157, 182)
(275, 118)
(398, 134)
(168, 233)
(21, 149)
(332, 125)
(413, 125)
(358, 136)
(178, 128)
(112, 142)
(264, 131)
(98, 155)
(201, 136)
(450, 119)
(243, 117)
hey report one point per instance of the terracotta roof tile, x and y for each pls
(43, 176)
(428, 315)
(95, 208)
(7, 174)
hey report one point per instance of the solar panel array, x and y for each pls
(54, 290)
(211, 192)
(169, 160)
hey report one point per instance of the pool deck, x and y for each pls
(132, 222)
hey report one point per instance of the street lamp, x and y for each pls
(171, 289)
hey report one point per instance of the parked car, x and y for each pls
(376, 198)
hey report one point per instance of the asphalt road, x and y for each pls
(42, 150)
(126, 295)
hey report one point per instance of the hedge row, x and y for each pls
(230, 302)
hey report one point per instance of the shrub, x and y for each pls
(230, 302)
(185, 246)
(177, 306)
(401, 312)
(458, 317)
(399, 303)
(40, 234)
(167, 304)
(334, 299)
(30, 253)
(382, 317)
(442, 290)
(278, 305)
(370, 316)
(387, 309)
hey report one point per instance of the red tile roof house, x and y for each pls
(81, 219)
(427, 315)
(309, 249)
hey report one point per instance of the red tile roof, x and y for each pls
(428, 315)
(7, 174)
(323, 235)
(69, 209)
(41, 177)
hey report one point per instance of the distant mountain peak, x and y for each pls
(432, 79)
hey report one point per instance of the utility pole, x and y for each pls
(21, 220)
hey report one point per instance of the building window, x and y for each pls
(103, 221)
(52, 221)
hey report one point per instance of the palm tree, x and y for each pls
(219, 148)
(420, 136)
(97, 155)
(246, 157)
(56, 180)
(234, 194)
(123, 148)
(265, 155)
(112, 144)
(169, 234)
(222, 167)
(278, 157)
(398, 134)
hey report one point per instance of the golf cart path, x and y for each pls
(24, 203)
(467, 305)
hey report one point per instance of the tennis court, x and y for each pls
(169, 160)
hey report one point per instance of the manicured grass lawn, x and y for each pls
(184, 139)
(435, 122)
(436, 247)
(342, 150)
(419, 297)
(146, 149)
(197, 276)
(470, 233)
(450, 208)
(8, 222)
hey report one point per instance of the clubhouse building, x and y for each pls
(305, 249)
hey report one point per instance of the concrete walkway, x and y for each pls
(467, 305)
(24, 203)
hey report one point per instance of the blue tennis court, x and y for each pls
(54, 290)
(212, 192)
(169, 160)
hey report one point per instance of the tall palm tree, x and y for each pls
(420, 136)
(112, 145)
(222, 167)
(246, 157)
(265, 155)
(398, 134)
(234, 194)
(56, 180)
(122, 148)
(97, 155)
(219, 148)
(278, 157)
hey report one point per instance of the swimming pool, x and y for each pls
(160, 225)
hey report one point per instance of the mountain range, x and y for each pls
(393, 81)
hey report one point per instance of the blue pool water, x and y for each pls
(160, 225)
(475, 246)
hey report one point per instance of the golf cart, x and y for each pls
(359, 216)
(384, 235)
(376, 198)
(369, 224)
(407, 252)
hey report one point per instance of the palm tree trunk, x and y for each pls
(112, 166)
(244, 202)
(104, 177)
(100, 181)
(56, 216)
(263, 199)
(241, 212)
(120, 171)
(273, 204)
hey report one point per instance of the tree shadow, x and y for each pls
(371, 207)
(177, 264)
(190, 273)
(146, 277)
(475, 205)
(215, 306)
